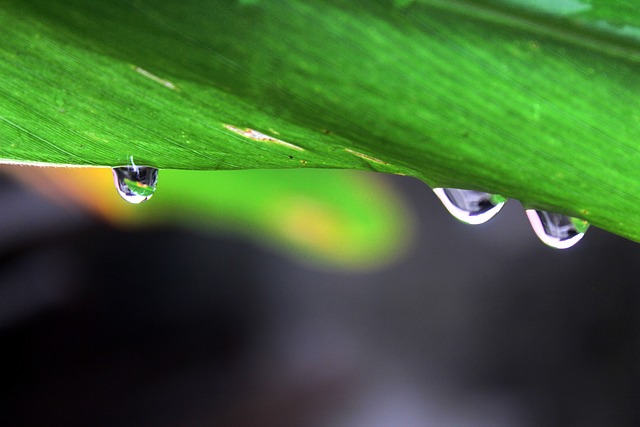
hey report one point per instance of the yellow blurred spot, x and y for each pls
(310, 224)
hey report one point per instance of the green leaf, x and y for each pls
(338, 219)
(534, 100)
(335, 218)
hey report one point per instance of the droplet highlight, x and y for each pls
(470, 206)
(135, 184)
(557, 230)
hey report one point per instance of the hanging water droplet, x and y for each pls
(470, 206)
(556, 230)
(135, 184)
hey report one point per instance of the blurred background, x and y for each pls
(371, 307)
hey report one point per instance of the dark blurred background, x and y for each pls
(475, 326)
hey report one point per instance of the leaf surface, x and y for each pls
(534, 100)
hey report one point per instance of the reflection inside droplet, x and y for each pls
(470, 206)
(135, 184)
(557, 230)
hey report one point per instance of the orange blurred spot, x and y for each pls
(90, 188)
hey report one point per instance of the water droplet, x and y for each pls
(556, 230)
(470, 206)
(135, 184)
